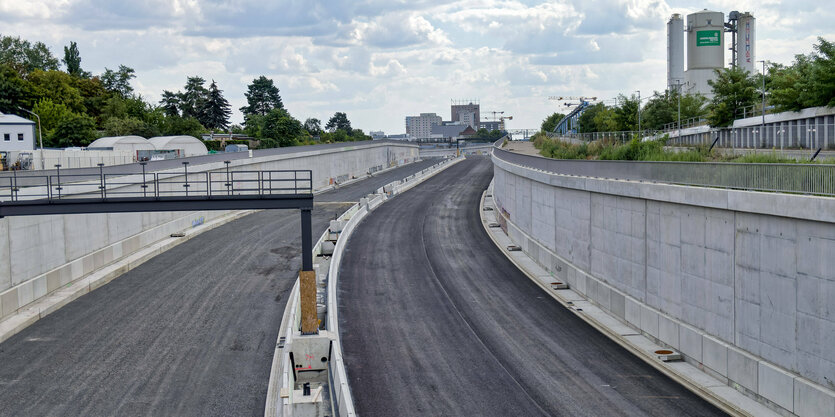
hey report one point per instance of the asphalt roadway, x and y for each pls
(189, 333)
(435, 321)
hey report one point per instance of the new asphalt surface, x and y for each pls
(189, 333)
(435, 321)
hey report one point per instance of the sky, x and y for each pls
(382, 60)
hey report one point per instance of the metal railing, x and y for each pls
(157, 185)
(817, 179)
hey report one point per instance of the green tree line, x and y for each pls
(76, 106)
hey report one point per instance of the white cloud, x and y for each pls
(380, 60)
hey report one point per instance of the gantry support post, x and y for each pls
(307, 278)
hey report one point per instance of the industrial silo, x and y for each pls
(675, 52)
(746, 35)
(705, 49)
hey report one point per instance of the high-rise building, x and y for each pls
(467, 111)
(420, 127)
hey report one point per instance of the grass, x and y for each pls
(653, 150)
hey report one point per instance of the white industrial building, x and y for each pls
(121, 143)
(420, 127)
(16, 133)
(184, 145)
(705, 40)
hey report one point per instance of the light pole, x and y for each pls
(639, 114)
(40, 136)
(762, 139)
(678, 91)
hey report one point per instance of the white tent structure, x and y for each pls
(187, 145)
(121, 143)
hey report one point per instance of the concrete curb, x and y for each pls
(41, 308)
(700, 388)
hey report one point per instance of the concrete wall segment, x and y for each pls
(742, 282)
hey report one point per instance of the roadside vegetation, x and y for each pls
(76, 106)
(649, 150)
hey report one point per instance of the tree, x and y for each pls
(176, 125)
(733, 89)
(77, 130)
(118, 81)
(170, 103)
(261, 96)
(51, 114)
(282, 127)
(57, 86)
(550, 122)
(586, 120)
(626, 115)
(313, 126)
(26, 57)
(216, 109)
(14, 90)
(192, 99)
(808, 82)
(72, 59)
(339, 121)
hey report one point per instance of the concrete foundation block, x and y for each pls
(633, 312)
(743, 369)
(812, 401)
(715, 355)
(649, 321)
(618, 304)
(776, 385)
(690, 342)
(668, 331)
(8, 302)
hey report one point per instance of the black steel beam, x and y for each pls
(139, 204)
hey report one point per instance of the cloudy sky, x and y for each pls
(380, 60)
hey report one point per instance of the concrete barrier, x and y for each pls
(740, 282)
(40, 254)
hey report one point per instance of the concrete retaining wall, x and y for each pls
(39, 254)
(742, 283)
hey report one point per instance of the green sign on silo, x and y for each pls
(707, 38)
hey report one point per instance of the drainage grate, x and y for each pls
(556, 285)
(178, 234)
(493, 225)
(667, 355)
(513, 248)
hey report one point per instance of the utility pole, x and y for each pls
(762, 128)
(639, 114)
(40, 136)
(678, 90)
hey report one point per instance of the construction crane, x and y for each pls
(495, 115)
(502, 119)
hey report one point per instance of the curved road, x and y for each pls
(189, 333)
(436, 321)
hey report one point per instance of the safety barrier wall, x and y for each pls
(40, 254)
(742, 283)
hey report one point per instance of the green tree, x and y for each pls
(550, 122)
(170, 103)
(282, 127)
(216, 109)
(176, 125)
(119, 81)
(808, 82)
(14, 90)
(604, 120)
(586, 119)
(57, 86)
(72, 59)
(339, 121)
(733, 89)
(77, 130)
(313, 126)
(51, 114)
(626, 114)
(261, 97)
(192, 99)
(26, 57)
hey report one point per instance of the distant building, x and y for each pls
(16, 133)
(467, 111)
(491, 125)
(452, 131)
(420, 127)
(400, 136)
(377, 134)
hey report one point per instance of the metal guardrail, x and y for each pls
(157, 185)
(814, 179)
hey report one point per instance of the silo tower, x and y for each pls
(705, 49)
(675, 52)
(745, 37)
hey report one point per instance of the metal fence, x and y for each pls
(157, 185)
(817, 179)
